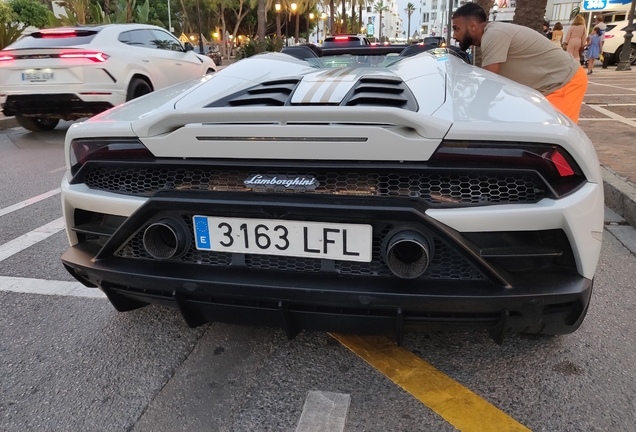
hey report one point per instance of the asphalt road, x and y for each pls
(73, 363)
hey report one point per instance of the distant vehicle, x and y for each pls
(214, 53)
(343, 41)
(73, 72)
(614, 41)
(434, 40)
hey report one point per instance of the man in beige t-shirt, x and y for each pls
(523, 55)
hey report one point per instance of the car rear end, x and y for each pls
(60, 74)
(344, 41)
(312, 214)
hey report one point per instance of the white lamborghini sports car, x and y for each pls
(370, 190)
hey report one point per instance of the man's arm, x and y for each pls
(494, 68)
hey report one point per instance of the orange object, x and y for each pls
(568, 99)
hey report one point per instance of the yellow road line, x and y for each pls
(455, 403)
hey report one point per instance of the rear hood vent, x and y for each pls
(380, 91)
(273, 93)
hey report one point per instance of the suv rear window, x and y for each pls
(343, 41)
(55, 38)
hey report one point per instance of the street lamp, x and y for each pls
(323, 16)
(494, 11)
(278, 8)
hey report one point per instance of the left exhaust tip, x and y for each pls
(166, 239)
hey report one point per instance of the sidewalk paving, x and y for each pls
(608, 117)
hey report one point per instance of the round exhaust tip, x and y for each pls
(408, 254)
(165, 239)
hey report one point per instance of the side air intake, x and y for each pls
(376, 91)
(273, 93)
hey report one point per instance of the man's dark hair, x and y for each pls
(471, 10)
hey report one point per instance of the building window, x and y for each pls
(434, 4)
(433, 16)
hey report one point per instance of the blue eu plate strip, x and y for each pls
(201, 232)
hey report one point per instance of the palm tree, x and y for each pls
(261, 18)
(380, 8)
(530, 13)
(410, 8)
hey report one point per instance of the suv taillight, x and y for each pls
(84, 150)
(552, 162)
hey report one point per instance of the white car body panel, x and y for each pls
(456, 102)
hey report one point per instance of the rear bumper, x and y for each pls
(66, 106)
(549, 304)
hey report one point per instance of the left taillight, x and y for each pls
(5, 57)
(85, 150)
(552, 162)
(97, 57)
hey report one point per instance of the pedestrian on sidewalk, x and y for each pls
(576, 37)
(523, 55)
(593, 48)
(557, 34)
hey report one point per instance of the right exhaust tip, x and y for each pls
(408, 254)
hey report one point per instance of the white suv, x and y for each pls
(74, 72)
(613, 43)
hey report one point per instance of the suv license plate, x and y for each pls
(37, 76)
(346, 242)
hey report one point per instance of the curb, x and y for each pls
(620, 195)
(8, 123)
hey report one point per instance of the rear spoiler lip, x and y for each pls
(169, 121)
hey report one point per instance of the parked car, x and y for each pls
(434, 40)
(614, 41)
(214, 53)
(345, 40)
(371, 192)
(74, 72)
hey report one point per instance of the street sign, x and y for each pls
(593, 5)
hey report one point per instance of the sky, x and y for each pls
(415, 18)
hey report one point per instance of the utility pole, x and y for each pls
(200, 38)
(623, 64)
(450, 23)
(169, 21)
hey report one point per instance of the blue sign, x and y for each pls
(593, 5)
(370, 29)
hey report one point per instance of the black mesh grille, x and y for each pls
(452, 189)
(445, 264)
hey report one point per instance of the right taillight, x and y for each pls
(85, 150)
(552, 162)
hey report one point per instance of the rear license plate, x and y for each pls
(37, 76)
(346, 242)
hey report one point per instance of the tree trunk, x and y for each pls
(408, 32)
(360, 16)
(344, 16)
(380, 39)
(128, 11)
(186, 20)
(332, 11)
(297, 31)
(486, 5)
(353, 19)
(530, 13)
(278, 25)
(262, 17)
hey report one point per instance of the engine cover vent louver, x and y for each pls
(273, 93)
(378, 91)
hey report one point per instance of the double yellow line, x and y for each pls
(455, 403)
